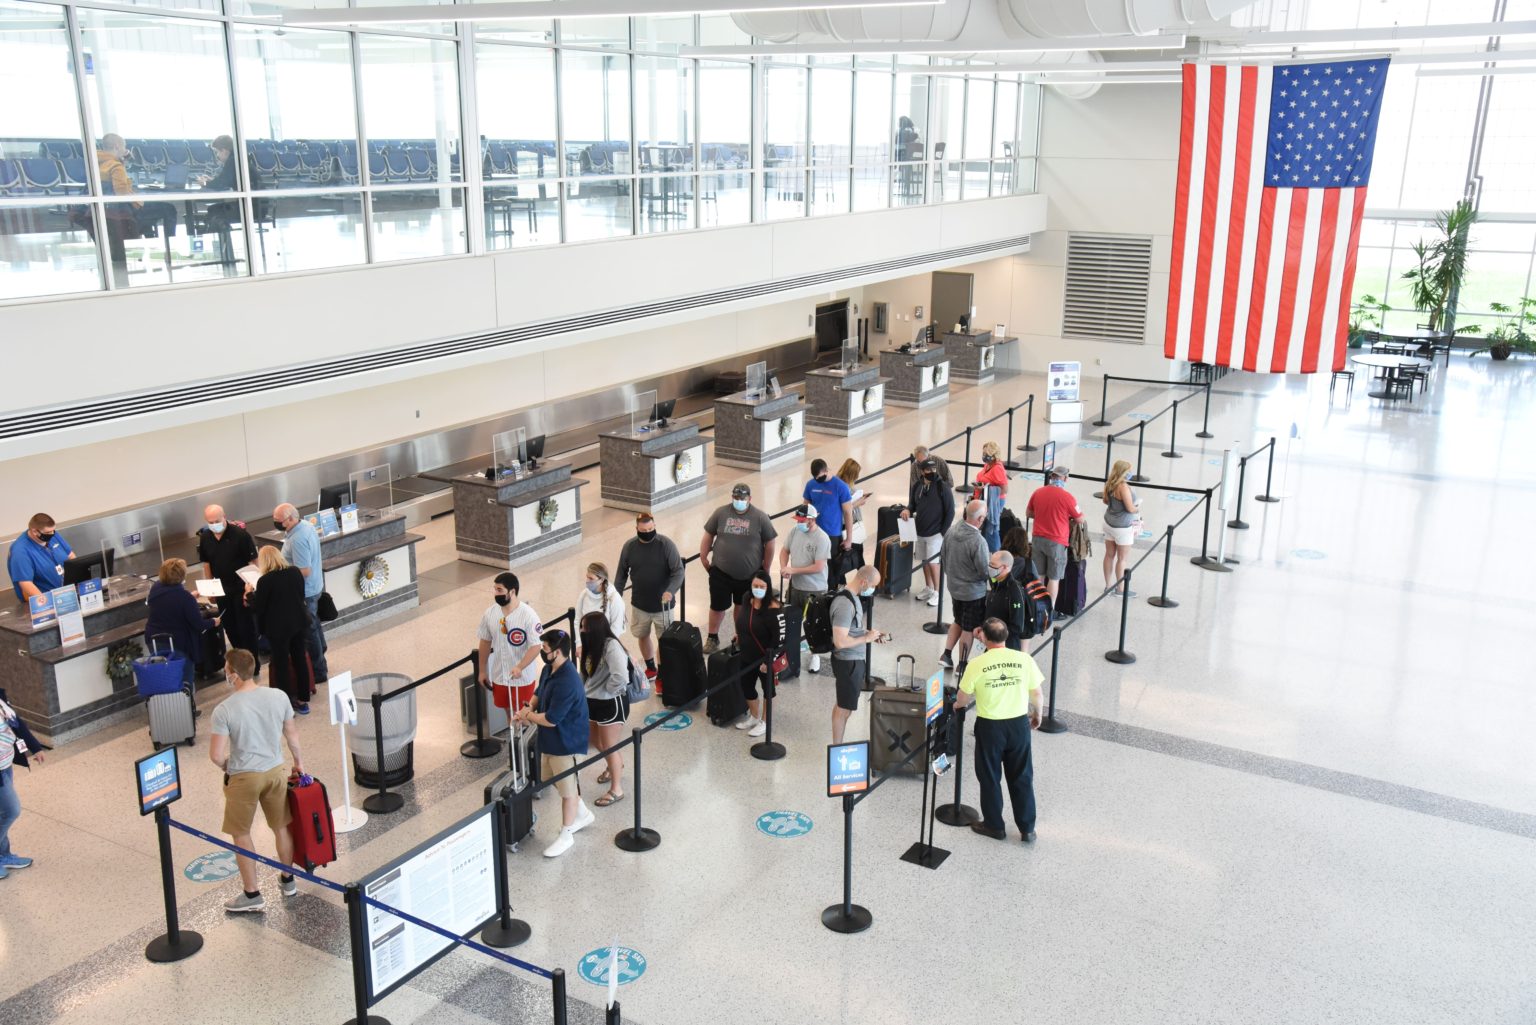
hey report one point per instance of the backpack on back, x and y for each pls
(1037, 609)
(818, 621)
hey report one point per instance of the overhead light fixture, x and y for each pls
(1395, 33)
(1058, 45)
(566, 9)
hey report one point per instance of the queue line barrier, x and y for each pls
(1205, 428)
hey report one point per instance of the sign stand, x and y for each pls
(923, 852)
(1062, 395)
(343, 703)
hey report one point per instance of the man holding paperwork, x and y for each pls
(1005, 685)
(224, 548)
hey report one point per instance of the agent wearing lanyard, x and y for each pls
(36, 562)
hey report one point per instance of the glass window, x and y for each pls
(594, 110)
(274, 8)
(872, 129)
(725, 143)
(597, 209)
(1509, 150)
(1029, 120)
(522, 30)
(515, 90)
(664, 113)
(521, 214)
(721, 30)
(664, 33)
(415, 223)
(666, 203)
(784, 121)
(45, 248)
(978, 119)
(306, 231)
(910, 137)
(606, 32)
(1005, 120)
(411, 107)
(947, 126)
(1435, 165)
(831, 116)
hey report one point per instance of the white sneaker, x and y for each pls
(564, 842)
(585, 819)
(815, 663)
(758, 729)
(933, 599)
(747, 723)
(922, 594)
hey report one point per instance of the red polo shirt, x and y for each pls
(1053, 510)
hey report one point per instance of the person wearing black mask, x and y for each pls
(36, 561)
(509, 645)
(833, 500)
(931, 504)
(651, 565)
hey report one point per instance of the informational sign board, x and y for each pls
(1048, 457)
(91, 597)
(349, 518)
(66, 608)
(1063, 381)
(449, 881)
(847, 768)
(934, 697)
(159, 777)
(40, 607)
(343, 700)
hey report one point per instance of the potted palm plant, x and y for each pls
(1365, 315)
(1434, 284)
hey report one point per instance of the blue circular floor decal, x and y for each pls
(1140, 416)
(1179, 496)
(784, 824)
(1090, 444)
(1308, 553)
(596, 963)
(1214, 462)
(213, 867)
(1143, 535)
(680, 721)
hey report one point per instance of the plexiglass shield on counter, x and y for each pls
(757, 380)
(510, 450)
(850, 355)
(373, 491)
(640, 411)
(135, 553)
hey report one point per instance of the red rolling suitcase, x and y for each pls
(314, 835)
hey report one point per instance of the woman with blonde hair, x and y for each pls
(853, 558)
(283, 617)
(1122, 519)
(992, 475)
(599, 595)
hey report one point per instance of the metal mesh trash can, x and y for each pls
(398, 719)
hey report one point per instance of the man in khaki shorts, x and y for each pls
(249, 728)
(651, 564)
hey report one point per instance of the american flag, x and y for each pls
(1273, 168)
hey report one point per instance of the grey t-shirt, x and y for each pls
(253, 721)
(806, 547)
(610, 676)
(740, 538)
(848, 612)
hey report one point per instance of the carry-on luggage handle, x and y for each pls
(170, 643)
(911, 670)
(319, 831)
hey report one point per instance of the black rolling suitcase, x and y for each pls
(512, 791)
(1073, 593)
(727, 704)
(885, 521)
(681, 672)
(210, 662)
(894, 561)
(793, 636)
(896, 729)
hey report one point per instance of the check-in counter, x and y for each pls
(975, 356)
(645, 470)
(917, 379)
(497, 522)
(370, 572)
(845, 402)
(755, 432)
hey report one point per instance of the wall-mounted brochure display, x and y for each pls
(449, 881)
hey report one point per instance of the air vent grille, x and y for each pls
(1108, 281)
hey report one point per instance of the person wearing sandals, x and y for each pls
(1122, 519)
(759, 635)
(605, 668)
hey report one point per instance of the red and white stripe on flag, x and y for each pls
(1261, 277)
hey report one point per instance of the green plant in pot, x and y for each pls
(1514, 334)
(1365, 315)
(1434, 284)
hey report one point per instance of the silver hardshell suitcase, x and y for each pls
(171, 718)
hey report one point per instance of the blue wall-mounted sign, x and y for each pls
(784, 824)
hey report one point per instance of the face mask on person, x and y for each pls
(740, 504)
(548, 657)
(46, 536)
(217, 526)
(595, 586)
(503, 599)
(867, 592)
(806, 527)
(278, 525)
(823, 477)
(928, 475)
(989, 459)
(645, 536)
(759, 592)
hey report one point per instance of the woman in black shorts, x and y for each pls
(759, 634)
(605, 668)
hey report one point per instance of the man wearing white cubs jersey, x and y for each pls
(509, 646)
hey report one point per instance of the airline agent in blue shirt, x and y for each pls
(36, 562)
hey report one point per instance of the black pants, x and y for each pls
(1003, 753)
(290, 669)
(239, 625)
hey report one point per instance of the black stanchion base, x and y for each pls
(872, 683)
(768, 751)
(481, 748)
(1027, 448)
(936, 628)
(494, 935)
(372, 1019)
(1051, 724)
(1119, 658)
(1237, 524)
(956, 814)
(1172, 455)
(1135, 478)
(1204, 434)
(162, 950)
(1159, 601)
(1102, 423)
(1014, 466)
(383, 804)
(1265, 498)
(857, 918)
(637, 840)
(925, 855)
(1214, 565)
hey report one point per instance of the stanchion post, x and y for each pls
(847, 917)
(1109, 453)
(383, 802)
(966, 479)
(958, 813)
(938, 626)
(1103, 404)
(614, 1016)
(1205, 423)
(1029, 425)
(357, 934)
(177, 943)
(1162, 601)
(637, 838)
(506, 931)
(1173, 435)
(767, 750)
(1120, 656)
(1051, 724)
(557, 993)
(1242, 480)
(1269, 477)
(1204, 560)
(1141, 435)
(482, 746)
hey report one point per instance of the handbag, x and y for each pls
(325, 607)
(158, 673)
(639, 688)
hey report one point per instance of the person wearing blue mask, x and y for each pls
(739, 539)
(599, 595)
(803, 564)
(849, 637)
(36, 561)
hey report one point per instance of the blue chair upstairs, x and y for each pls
(42, 176)
(10, 178)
